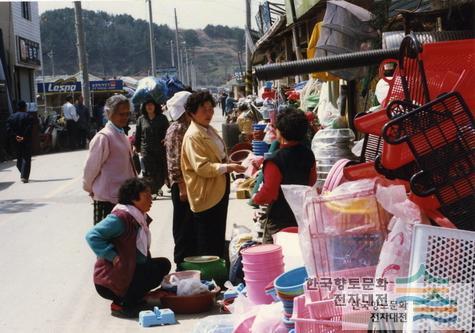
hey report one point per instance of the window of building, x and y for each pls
(26, 10)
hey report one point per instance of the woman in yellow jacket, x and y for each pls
(205, 171)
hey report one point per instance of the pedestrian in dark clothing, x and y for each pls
(230, 103)
(222, 103)
(83, 122)
(19, 126)
(150, 133)
(125, 270)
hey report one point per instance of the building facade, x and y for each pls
(20, 57)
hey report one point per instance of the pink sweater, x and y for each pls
(108, 164)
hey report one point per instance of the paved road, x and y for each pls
(45, 263)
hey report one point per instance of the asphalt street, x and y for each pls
(45, 263)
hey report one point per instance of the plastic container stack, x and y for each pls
(288, 286)
(330, 145)
(259, 147)
(261, 265)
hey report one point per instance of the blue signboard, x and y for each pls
(73, 87)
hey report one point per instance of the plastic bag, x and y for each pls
(187, 287)
(151, 87)
(396, 250)
(269, 319)
(216, 324)
(328, 103)
(296, 196)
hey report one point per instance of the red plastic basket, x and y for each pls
(441, 136)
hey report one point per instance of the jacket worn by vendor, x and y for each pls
(201, 165)
(117, 277)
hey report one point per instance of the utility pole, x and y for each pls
(172, 53)
(177, 43)
(248, 50)
(51, 57)
(82, 55)
(152, 46)
(180, 65)
(187, 66)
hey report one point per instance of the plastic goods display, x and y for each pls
(329, 146)
(261, 265)
(346, 28)
(441, 137)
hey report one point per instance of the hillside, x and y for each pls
(119, 45)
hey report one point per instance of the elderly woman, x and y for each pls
(183, 232)
(125, 271)
(292, 164)
(149, 135)
(205, 171)
(109, 162)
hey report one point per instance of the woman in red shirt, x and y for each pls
(292, 164)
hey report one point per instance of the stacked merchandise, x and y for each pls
(259, 146)
(428, 130)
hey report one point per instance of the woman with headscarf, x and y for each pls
(150, 133)
(183, 231)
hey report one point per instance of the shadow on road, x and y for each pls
(7, 164)
(5, 185)
(17, 206)
(48, 180)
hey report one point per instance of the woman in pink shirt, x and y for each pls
(109, 162)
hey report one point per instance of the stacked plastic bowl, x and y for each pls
(259, 147)
(287, 286)
(261, 265)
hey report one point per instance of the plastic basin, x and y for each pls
(190, 304)
(291, 281)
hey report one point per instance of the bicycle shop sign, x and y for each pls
(74, 86)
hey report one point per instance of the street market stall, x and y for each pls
(391, 211)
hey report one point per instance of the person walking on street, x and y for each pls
(125, 270)
(82, 123)
(183, 232)
(150, 133)
(222, 103)
(230, 103)
(20, 127)
(205, 169)
(71, 116)
(109, 162)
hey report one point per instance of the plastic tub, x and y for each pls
(264, 274)
(260, 250)
(263, 267)
(245, 325)
(256, 291)
(190, 304)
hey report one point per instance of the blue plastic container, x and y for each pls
(291, 281)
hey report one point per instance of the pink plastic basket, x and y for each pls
(305, 324)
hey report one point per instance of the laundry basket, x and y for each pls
(441, 256)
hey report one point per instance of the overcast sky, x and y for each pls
(191, 14)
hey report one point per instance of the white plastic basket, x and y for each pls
(447, 254)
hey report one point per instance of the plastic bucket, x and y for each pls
(256, 291)
(262, 250)
(263, 268)
(267, 275)
(262, 263)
